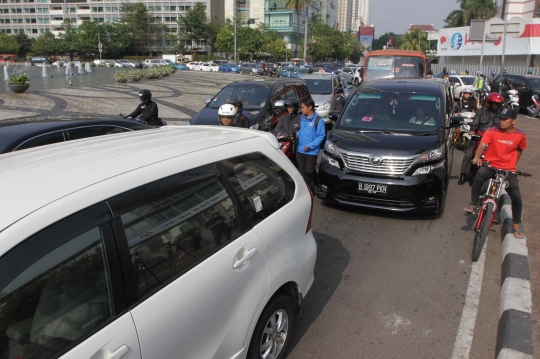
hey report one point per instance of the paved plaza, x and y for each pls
(179, 96)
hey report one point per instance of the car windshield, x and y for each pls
(467, 81)
(534, 84)
(379, 67)
(319, 86)
(253, 98)
(407, 112)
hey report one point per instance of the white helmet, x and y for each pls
(226, 110)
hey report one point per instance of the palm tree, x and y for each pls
(471, 9)
(414, 40)
(455, 19)
(297, 5)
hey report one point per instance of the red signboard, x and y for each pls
(366, 31)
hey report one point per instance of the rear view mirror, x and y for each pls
(476, 138)
(207, 101)
(350, 87)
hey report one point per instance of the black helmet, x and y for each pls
(145, 96)
(444, 70)
(238, 103)
(293, 102)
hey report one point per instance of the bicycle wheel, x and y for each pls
(482, 232)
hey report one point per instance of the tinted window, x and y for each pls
(469, 81)
(175, 223)
(254, 98)
(42, 140)
(534, 83)
(56, 300)
(303, 90)
(262, 185)
(84, 132)
(319, 86)
(519, 82)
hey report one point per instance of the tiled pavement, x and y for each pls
(179, 97)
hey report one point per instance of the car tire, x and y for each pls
(278, 318)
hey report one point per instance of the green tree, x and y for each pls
(8, 44)
(469, 10)
(192, 27)
(225, 41)
(67, 39)
(355, 48)
(414, 40)
(45, 44)
(24, 42)
(248, 42)
(140, 22)
(297, 5)
(277, 48)
(213, 28)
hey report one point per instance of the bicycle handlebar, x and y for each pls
(519, 173)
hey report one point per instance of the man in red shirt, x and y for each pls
(506, 144)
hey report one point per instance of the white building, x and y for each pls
(345, 15)
(522, 8)
(329, 12)
(363, 10)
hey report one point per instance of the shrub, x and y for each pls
(136, 74)
(152, 73)
(18, 80)
(121, 76)
(164, 71)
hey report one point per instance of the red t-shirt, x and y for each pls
(503, 147)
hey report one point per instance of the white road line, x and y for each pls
(464, 338)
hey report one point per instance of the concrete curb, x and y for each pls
(515, 329)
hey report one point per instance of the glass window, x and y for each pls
(176, 223)
(261, 184)
(319, 86)
(85, 132)
(42, 140)
(56, 300)
(173, 8)
(254, 98)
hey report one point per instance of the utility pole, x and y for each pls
(100, 48)
(235, 35)
(305, 33)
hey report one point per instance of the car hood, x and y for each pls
(321, 99)
(376, 143)
(209, 116)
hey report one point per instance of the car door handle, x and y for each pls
(120, 352)
(245, 258)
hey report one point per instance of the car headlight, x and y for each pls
(325, 106)
(331, 161)
(427, 169)
(430, 155)
(254, 127)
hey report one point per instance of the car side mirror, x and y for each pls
(207, 100)
(456, 121)
(334, 115)
(279, 103)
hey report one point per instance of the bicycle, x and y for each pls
(488, 205)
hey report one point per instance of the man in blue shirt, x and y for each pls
(312, 133)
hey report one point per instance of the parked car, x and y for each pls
(191, 65)
(99, 234)
(155, 62)
(35, 131)
(349, 74)
(235, 69)
(383, 154)
(261, 98)
(118, 63)
(130, 63)
(39, 61)
(228, 67)
(181, 67)
(251, 69)
(526, 85)
(327, 91)
(208, 66)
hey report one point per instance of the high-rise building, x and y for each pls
(363, 11)
(345, 20)
(329, 12)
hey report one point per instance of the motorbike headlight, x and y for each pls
(254, 127)
(427, 169)
(325, 106)
(428, 156)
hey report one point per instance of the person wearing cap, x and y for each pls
(466, 104)
(227, 116)
(147, 110)
(506, 144)
(240, 118)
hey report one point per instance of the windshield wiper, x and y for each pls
(427, 133)
(382, 131)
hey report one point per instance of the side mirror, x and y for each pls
(280, 103)
(334, 115)
(476, 138)
(207, 100)
(456, 121)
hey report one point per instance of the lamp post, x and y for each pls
(235, 36)
(305, 32)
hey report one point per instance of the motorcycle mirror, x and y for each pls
(456, 121)
(280, 103)
(207, 100)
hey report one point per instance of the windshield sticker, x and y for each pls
(348, 120)
(367, 119)
(258, 204)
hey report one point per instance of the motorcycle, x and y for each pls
(461, 134)
(272, 72)
(534, 105)
(512, 100)
(164, 123)
(287, 142)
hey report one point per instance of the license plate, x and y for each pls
(372, 187)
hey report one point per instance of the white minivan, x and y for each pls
(187, 242)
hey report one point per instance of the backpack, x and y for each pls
(317, 119)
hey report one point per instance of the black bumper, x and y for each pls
(413, 194)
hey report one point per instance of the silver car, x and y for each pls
(327, 90)
(348, 73)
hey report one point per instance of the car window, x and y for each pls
(303, 90)
(42, 140)
(175, 223)
(336, 82)
(91, 131)
(262, 185)
(321, 86)
(534, 83)
(519, 82)
(56, 300)
(455, 80)
(254, 98)
(468, 81)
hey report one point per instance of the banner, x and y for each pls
(455, 42)
(366, 36)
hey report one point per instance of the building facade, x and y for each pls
(329, 12)
(345, 19)
(521, 8)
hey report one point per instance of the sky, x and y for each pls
(398, 15)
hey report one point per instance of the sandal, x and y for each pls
(517, 233)
(470, 209)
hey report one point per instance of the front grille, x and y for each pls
(376, 201)
(387, 166)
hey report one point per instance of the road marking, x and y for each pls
(464, 338)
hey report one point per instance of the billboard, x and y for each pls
(366, 36)
(456, 42)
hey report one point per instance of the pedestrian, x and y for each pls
(310, 137)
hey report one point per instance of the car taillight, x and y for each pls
(308, 228)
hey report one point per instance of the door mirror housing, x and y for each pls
(207, 100)
(334, 115)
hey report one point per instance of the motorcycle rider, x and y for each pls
(287, 121)
(484, 119)
(240, 119)
(227, 115)
(506, 144)
(466, 104)
(147, 110)
(491, 79)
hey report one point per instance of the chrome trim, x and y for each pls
(389, 165)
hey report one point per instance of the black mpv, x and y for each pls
(391, 147)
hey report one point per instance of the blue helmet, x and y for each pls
(493, 72)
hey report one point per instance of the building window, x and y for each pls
(8, 31)
(84, 7)
(97, 9)
(181, 8)
(29, 11)
(28, 31)
(41, 31)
